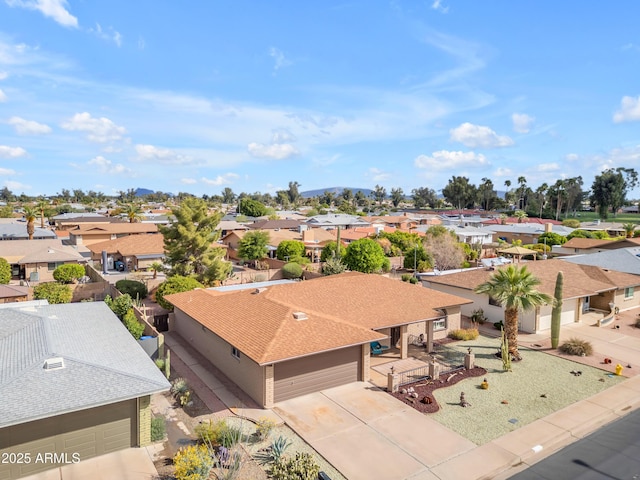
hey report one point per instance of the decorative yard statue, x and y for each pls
(463, 401)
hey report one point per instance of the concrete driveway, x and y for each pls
(129, 464)
(365, 433)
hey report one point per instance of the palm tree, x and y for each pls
(30, 216)
(507, 184)
(629, 228)
(133, 212)
(514, 289)
(156, 267)
(520, 215)
(41, 206)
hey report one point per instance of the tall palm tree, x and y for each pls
(629, 229)
(514, 288)
(40, 207)
(30, 215)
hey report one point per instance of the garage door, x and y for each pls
(82, 435)
(316, 372)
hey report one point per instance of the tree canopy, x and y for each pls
(175, 284)
(251, 208)
(253, 246)
(364, 255)
(5, 271)
(189, 239)
(459, 192)
(610, 188)
(289, 249)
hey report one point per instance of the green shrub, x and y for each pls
(577, 346)
(300, 467)
(175, 284)
(217, 432)
(287, 249)
(133, 288)
(179, 386)
(5, 271)
(193, 463)
(498, 325)
(68, 273)
(477, 316)
(464, 334)
(406, 277)
(120, 306)
(291, 270)
(158, 429)
(160, 363)
(133, 325)
(413, 280)
(571, 223)
(53, 292)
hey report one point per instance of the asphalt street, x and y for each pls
(611, 453)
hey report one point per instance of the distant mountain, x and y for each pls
(141, 192)
(335, 190)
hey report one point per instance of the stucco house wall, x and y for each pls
(247, 374)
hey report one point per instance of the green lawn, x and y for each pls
(537, 374)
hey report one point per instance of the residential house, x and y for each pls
(13, 294)
(101, 233)
(313, 241)
(64, 223)
(466, 234)
(613, 229)
(621, 260)
(590, 293)
(36, 260)
(577, 246)
(228, 226)
(401, 222)
(527, 233)
(74, 383)
(288, 340)
(286, 224)
(136, 252)
(18, 231)
(335, 220)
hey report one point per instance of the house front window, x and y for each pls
(235, 352)
(494, 302)
(628, 293)
(440, 324)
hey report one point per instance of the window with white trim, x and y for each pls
(235, 352)
(628, 293)
(440, 324)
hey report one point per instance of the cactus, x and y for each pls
(556, 313)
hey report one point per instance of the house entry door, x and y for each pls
(585, 304)
(395, 336)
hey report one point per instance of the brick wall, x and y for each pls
(144, 421)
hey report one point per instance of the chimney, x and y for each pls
(548, 227)
(300, 316)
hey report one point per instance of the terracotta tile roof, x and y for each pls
(579, 280)
(131, 245)
(38, 251)
(577, 242)
(285, 224)
(342, 310)
(115, 228)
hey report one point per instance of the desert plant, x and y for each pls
(477, 316)
(193, 463)
(179, 386)
(577, 346)
(413, 280)
(68, 273)
(230, 436)
(556, 312)
(133, 288)
(504, 351)
(158, 429)
(264, 426)
(292, 270)
(498, 325)
(228, 464)
(464, 334)
(278, 447)
(160, 363)
(300, 467)
(405, 277)
(208, 432)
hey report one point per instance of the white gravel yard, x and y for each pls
(538, 385)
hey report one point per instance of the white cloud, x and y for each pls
(437, 5)
(107, 166)
(55, 9)
(151, 153)
(282, 135)
(280, 60)
(3, 97)
(571, 157)
(12, 152)
(110, 34)
(377, 175)
(547, 167)
(99, 130)
(28, 127)
(225, 179)
(446, 160)
(276, 151)
(629, 110)
(522, 122)
(188, 181)
(478, 136)
(7, 171)
(16, 186)
(3, 76)
(503, 172)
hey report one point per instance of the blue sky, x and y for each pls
(199, 96)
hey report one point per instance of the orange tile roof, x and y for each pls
(579, 280)
(342, 310)
(131, 245)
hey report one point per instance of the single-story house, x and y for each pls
(75, 384)
(579, 245)
(527, 233)
(110, 231)
(402, 222)
(18, 231)
(13, 294)
(288, 340)
(621, 260)
(36, 260)
(589, 292)
(280, 224)
(335, 220)
(85, 221)
(136, 252)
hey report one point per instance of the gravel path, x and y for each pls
(538, 385)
